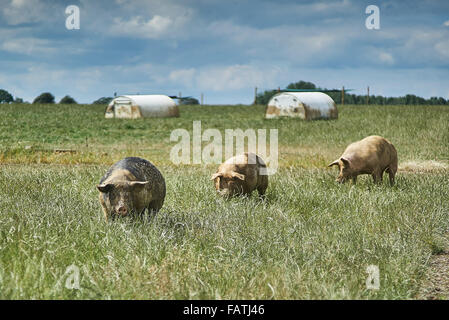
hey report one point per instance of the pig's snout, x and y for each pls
(224, 192)
(341, 179)
(122, 211)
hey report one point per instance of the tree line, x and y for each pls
(264, 97)
(45, 97)
(261, 98)
(48, 98)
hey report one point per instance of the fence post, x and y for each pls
(255, 95)
(367, 96)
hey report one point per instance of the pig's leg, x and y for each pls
(105, 214)
(261, 192)
(105, 211)
(155, 206)
(392, 169)
(391, 176)
(377, 177)
(354, 179)
(263, 186)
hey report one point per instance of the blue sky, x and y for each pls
(222, 48)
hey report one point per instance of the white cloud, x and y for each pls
(442, 48)
(296, 43)
(146, 19)
(321, 9)
(93, 81)
(222, 78)
(429, 46)
(328, 6)
(80, 82)
(446, 23)
(25, 11)
(153, 28)
(184, 76)
(28, 46)
(229, 78)
(386, 58)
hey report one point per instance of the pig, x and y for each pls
(241, 175)
(372, 155)
(130, 186)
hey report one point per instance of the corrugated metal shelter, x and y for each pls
(142, 106)
(303, 105)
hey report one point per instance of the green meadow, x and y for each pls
(311, 238)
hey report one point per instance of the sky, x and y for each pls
(222, 48)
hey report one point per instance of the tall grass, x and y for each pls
(310, 239)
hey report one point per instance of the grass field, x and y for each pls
(310, 239)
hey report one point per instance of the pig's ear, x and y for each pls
(335, 163)
(139, 184)
(238, 176)
(345, 162)
(105, 187)
(216, 175)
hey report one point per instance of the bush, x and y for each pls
(45, 97)
(68, 100)
(188, 100)
(5, 96)
(103, 100)
(301, 85)
(263, 98)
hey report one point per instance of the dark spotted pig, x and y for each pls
(130, 186)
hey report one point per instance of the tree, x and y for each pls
(103, 100)
(264, 97)
(441, 100)
(18, 100)
(301, 85)
(68, 100)
(188, 100)
(45, 97)
(5, 96)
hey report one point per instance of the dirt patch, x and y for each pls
(424, 166)
(436, 282)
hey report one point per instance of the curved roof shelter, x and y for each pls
(303, 105)
(142, 106)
